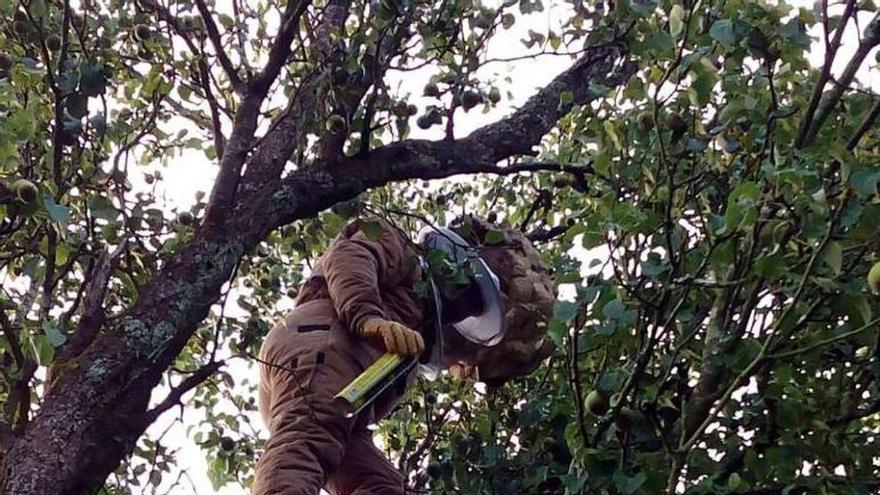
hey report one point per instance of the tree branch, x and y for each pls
(190, 382)
(422, 159)
(93, 305)
(867, 124)
(830, 53)
(245, 123)
(827, 103)
(217, 42)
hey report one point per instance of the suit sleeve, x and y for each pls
(357, 266)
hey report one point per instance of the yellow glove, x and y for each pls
(398, 339)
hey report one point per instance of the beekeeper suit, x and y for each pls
(366, 296)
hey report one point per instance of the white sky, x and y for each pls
(193, 172)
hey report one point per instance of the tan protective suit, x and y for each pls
(310, 357)
(314, 354)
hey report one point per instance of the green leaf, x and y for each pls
(43, 350)
(20, 124)
(58, 213)
(865, 182)
(834, 256)
(660, 42)
(615, 309)
(564, 310)
(676, 20)
(722, 31)
(628, 485)
(55, 337)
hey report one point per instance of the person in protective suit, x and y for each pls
(366, 296)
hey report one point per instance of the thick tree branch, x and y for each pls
(479, 152)
(93, 304)
(245, 123)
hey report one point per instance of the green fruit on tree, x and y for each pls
(25, 191)
(424, 122)
(227, 443)
(874, 278)
(71, 129)
(432, 90)
(676, 124)
(470, 99)
(53, 42)
(435, 116)
(185, 218)
(400, 109)
(494, 95)
(143, 32)
(77, 105)
(335, 124)
(21, 28)
(596, 403)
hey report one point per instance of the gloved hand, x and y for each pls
(398, 339)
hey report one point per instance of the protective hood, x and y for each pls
(486, 328)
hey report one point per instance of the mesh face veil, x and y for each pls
(488, 326)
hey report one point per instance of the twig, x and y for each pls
(188, 383)
(822, 343)
(867, 124)
(214, 36)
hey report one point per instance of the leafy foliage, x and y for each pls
(711, 222)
